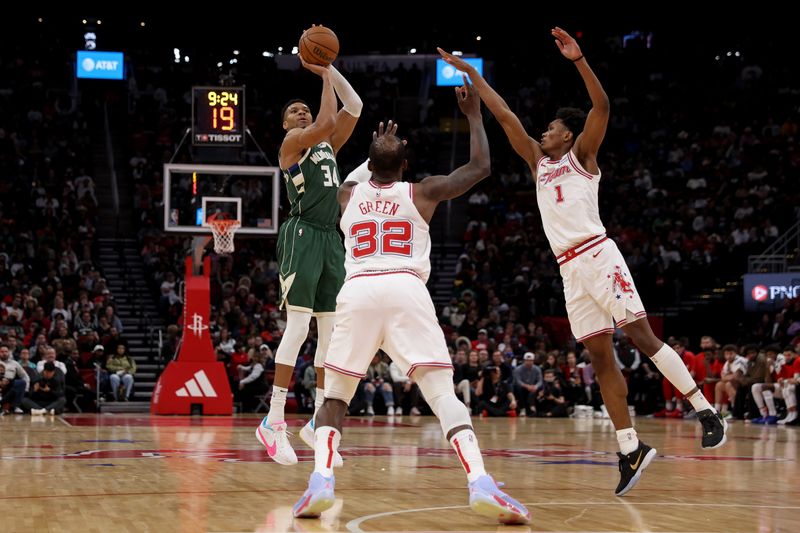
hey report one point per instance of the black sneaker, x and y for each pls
(714, 428)
(632, 465)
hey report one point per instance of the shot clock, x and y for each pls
(218, 116)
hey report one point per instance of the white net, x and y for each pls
(223, 231)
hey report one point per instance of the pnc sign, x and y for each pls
(768, 292)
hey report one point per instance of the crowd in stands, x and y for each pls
(55, 306)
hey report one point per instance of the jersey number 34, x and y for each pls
(392, 238)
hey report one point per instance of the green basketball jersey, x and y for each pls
(312, 184)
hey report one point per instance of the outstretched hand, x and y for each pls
(468, 100)
(457, 62)
(566, 44)
(390, 129)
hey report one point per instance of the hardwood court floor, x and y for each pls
(178, 474)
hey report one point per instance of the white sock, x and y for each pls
(326, 444)
(276, 405)
(319, 400)
(769, 399)
(668, 405)
(672, 367)
(718, 407)
(465, 443)
(789, 396)
(627, 439)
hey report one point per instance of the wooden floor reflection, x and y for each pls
(178, 474)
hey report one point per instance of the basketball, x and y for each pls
(319, 45)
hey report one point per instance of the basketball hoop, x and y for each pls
(223, 230)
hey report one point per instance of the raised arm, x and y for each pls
(433, 189)
(348, 115)
(588, 142)
(528, 148)
(298, 140)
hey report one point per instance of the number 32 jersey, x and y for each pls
(383, 231)
(567, 198)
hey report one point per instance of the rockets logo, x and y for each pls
(197, 326)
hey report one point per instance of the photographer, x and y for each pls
(47, 395)
(551, 402)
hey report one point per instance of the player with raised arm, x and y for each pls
(598, 287)
(310, 252)
(384, 304)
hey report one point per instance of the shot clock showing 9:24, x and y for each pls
(218, 116)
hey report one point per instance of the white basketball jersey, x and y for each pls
(384, 231)
(567, 198)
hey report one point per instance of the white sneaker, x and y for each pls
(37, 412)
(51, 412)
(276, 440)
(370, 410)
(791, 417)
(18, 411)
(307, 436)
(415, 411)
(398, 410)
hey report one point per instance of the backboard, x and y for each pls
(192, 193)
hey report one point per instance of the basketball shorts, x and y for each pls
(390, 310)
(311, 259)
(599, 291)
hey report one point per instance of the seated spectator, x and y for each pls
(404, 389)
(63, 343)
(47, 394)
(494, 394)
(550, 401)
(572, 377)
(26, 363)
(378, 379)
(76, 390)
(253, 382)
(50, 357)
(269, 358)
(121, 368)
(789, 385)
(527, 383)
(14, 383)
(764, 394)
(469, 375)
(757, 371)
(725, 391)
(238, 358)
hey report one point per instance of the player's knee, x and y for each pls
(293, 337)
(340, 387)
(756, 388)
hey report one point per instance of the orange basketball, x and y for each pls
(319, 45)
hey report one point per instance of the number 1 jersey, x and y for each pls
(383, 231)
(567, 198)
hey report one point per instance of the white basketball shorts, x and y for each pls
(599, 291)
(390, 310)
